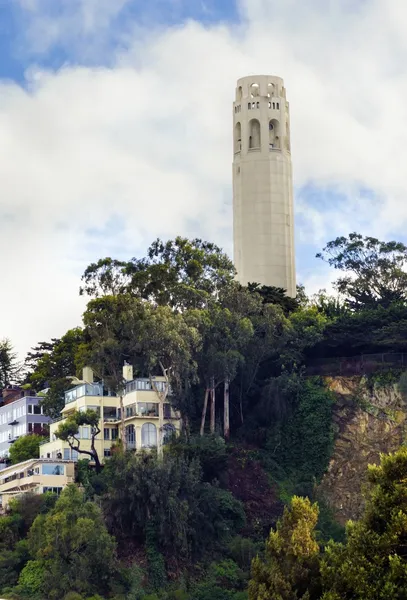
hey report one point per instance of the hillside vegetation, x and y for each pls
(258, 436)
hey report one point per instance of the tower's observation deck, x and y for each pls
(263, 219)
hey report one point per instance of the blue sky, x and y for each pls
(115, 128)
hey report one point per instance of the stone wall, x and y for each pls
(369, 420)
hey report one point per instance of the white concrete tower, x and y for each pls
(263, 211)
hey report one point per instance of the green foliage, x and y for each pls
(71, 549)
(179, 273)
(371, 565)
(402, 384)
(50, 365)
(274, 295)
(328, 528)
(331, 306)
(9, 367)
(155, 560)
(290, 570)
(166, 501)
(303, 445)
(243, 550)
(68, 431)
(209, 450)
(26, 447)
(32, 578)
(374, 271)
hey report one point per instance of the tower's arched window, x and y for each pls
(249, 105)
(274, 105)
(148, 435)
(274, 134)
(270, 89)
(254, 134)
(239, 93)
(238, 137)
(254, 90)
(130, 436)
(253, 105)
(257, 104)
(278, 106)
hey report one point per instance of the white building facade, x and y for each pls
(263, 208)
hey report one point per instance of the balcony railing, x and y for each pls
(145, 385)
(85, 389)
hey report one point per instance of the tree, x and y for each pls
(330, 306)
(112, 326)
(168, 345)
(68, 432)
(180, 273)
(9, 366)
(375, 271)
(372, 563)
(275, 295)
(71, 550)
(51, 364)
(164, 504)
(290, 570)
(26, 447)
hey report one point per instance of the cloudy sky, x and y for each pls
(115, 128)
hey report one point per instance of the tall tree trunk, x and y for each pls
(226, 425)
(205, 408)
(212, 393)
(162, 396)
(160, 428)
(122, 426)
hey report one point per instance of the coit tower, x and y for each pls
(263, 212)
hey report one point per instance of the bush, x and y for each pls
(74, 596)
(209, 450)
(31, 578)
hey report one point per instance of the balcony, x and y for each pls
(145, 385)
(86, 389)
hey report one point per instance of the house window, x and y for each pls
(106, 433)
(85, 433)
(115, 433)
(30, 427)
(107, 452)
(168, 432)
(74, 455)
(30, 409)
(148, 408)
(37, 409)
(67, 453)
(53, 469)
(52, 490)
(167, 410)
(148, 435)
(131, 436)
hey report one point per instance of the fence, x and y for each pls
(357, 365)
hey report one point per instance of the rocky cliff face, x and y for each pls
(369, 420)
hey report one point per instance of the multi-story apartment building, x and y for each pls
(21, 416)
(148, 421)
(37, 476)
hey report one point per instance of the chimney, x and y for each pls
(87, 374)
(127, 372)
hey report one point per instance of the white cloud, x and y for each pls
(148, 140)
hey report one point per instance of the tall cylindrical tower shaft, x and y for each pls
(263, 211)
